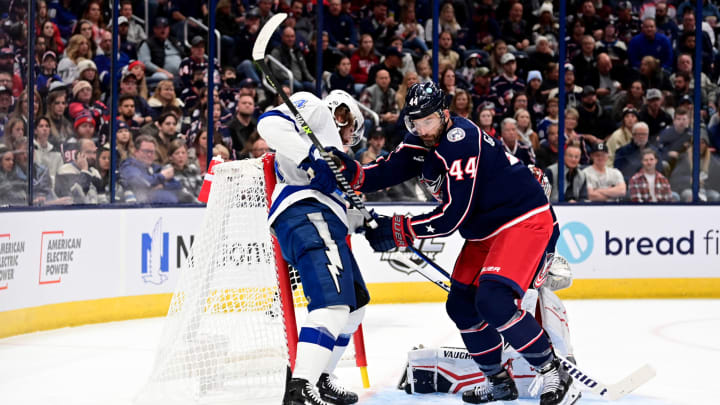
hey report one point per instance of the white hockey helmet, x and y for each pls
(335, 99)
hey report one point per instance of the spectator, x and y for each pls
(653, 114)
(222, 151)
(166, 133)
(53, 41)
(515, 30)
(593, 23)
(128, 49)
(686, 42)
(573, 41)
(123, 142)
(665, 24)
(411, 32)
(79, 179)
(547, 152)
(103, 167)
(614, 47)
(198, 151)
(148, 181)
(340, 27)
(652, 75)
(48, 72)
(682, 174)
(77, 50)
(552, 117)
(12, 188)
(639, 186)
(264, 8)
(448, 83)
(461, 104)
(293, 59)
(197, 62)
(480, 91)
(675, 139)
(84, 128)
(85, 29)
(593, 123)
(15, 129)
(243, 123)
(341, 79)
(650, 43)
(380, 97)
(573, 92)
(623, 135)
(572, 136)
(258, 147)
(93, 14)
(575, 180)
(507, 84)
(606, 79)
(127, 115)
(584, 62)
(628, 159)
(536, 100)
(6, 103)
(466, 74)
(161, 53)
(330, 56)
(186, 173)
(247, 35)
(164, 96)
(45, 153)
(448, 22)
(423, 70)
(407, 61)
(137, 69)
(603, 183)
(546, 26)
(129, 87)
(375, 146)
(84, 103)
(87, 70)
(42, 184)
(634, 97)
(628, 24)
(446, 55)
(391, 64)
(708, 90)
(60, 127)
(485, 120)
(513, 145)
(136, 33)
(524, 128)
(378, 24)
(499, 49)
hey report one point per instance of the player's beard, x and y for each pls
(432, 140)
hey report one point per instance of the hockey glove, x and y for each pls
(350, 168)
(391, 232)
(322, 177)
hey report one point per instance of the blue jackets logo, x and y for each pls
(575, 242)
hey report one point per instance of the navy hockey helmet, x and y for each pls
(422, 100)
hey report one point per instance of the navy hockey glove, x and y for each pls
(391, 232)
(322, 177)
(350, 168)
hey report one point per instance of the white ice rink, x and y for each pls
(107, 363)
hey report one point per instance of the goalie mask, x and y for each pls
(339, 98)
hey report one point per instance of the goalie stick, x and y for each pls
(258, 55)
(610, 392)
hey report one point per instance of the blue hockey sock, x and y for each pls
(485, 346)
(527, 337)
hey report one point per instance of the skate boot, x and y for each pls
(556, 382)
(500, 387)
(301, 392)
(332, 392)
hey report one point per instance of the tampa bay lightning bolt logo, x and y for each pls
(300, 103)
(575, 242)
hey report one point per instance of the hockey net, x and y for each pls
(227, 337)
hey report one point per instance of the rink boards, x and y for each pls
(62, 268)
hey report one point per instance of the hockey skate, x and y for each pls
(558, 387)
(336, 394)
(301, 392)
(499, 387)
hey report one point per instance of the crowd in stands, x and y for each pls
(628, 90)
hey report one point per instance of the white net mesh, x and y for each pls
(224, 339)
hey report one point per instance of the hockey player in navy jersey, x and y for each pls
(311, 223)
(500, 209)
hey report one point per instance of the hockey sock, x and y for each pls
(527, 337)
(316, 341)
(484, 344)
(344, 339)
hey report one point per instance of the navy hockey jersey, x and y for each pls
(480, 187)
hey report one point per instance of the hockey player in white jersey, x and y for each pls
(310, 221)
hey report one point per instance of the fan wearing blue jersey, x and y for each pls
(501, 210)
(311, 223)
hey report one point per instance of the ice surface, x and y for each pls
(108, 363)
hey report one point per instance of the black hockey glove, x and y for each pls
(391, 232)
(350, 168)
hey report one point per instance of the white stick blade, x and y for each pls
(265, 34)
(631, 382)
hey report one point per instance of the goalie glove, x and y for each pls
(542, 179)
(390, 233)
(322, 177)
(350, 168)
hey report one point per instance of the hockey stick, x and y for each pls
(258, 55)
(610, 392)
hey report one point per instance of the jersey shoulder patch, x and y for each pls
(456, 134)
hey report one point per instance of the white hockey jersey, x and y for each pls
(283, 134)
